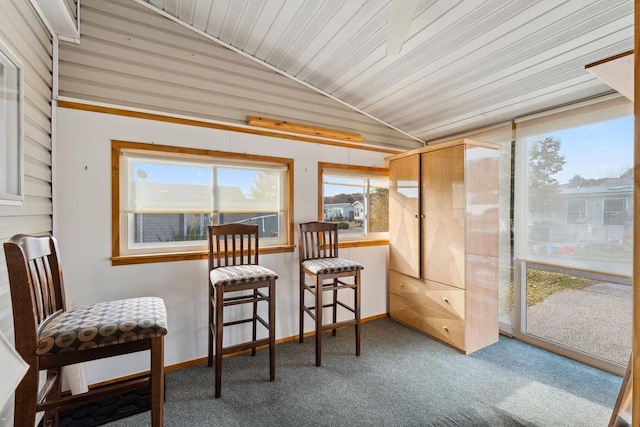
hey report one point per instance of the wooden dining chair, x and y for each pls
(49, 337)
(318, 257)
(234, 270)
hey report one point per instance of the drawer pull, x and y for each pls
(445, 299)
(445, 328)
(401, 284)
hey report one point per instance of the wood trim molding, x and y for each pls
(116, 148)
(203, 360)
(285, 126)
(202, 123)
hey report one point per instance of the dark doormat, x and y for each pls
(107, 410)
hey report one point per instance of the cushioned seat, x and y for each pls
(331, 265)
(103, 324)
(240, 274)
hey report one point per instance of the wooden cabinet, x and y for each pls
(443, 242)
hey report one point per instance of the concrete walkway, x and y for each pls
(597, 319)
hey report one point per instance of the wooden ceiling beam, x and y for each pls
(282, 125)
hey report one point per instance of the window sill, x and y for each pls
(184, 256)
(362, 243)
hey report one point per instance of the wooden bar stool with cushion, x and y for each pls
(48, 336)
(318, 253)
(233, 267)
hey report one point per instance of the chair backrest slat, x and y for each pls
(318, 240)
(233, 244)
(36, 285)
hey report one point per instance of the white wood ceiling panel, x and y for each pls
(509, 72)
(201, 12)
(465, 63)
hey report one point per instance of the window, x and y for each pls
(615, 212)
(576, 211)
(356, 198)
(169, 195)
(11, 105)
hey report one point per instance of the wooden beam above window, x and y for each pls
(302, 128)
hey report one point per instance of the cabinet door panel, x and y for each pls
(404, 222)
(443, 205)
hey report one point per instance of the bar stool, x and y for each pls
(318, 256)
(233, 267)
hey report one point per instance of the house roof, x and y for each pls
(463, 64)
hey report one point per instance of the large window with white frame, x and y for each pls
(356, 198)
(169, 195)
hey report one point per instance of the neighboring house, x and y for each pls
(338, 211)
(358, 211)
(598, 214)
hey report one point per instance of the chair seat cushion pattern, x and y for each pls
(103, 324)
(331, 265)
(240, 274)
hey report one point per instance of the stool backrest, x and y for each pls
(318, 240)
(36, 285)
(233, 244)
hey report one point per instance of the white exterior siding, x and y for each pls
(23, 32)
(132, 56)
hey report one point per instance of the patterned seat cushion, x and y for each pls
(240, 274)
(103, 324)
(330, 265)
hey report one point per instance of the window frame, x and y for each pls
(373, 171)
(117, 146)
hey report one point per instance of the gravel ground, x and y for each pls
(597, 319)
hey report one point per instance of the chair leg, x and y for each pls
(255, 319)
(26, 395)
(318, 313)
(52, 416)
(272, 330)
(211, 325)
(157, 381)
(335, 306)
(301, 306)
(357, 310)
(219, 327)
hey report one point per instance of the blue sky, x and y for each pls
(596, 151)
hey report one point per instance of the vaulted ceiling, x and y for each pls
(464, 64)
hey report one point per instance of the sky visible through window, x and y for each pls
(193, 175)
(599, 150)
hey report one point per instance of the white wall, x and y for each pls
(82, 197)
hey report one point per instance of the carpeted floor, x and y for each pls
(402, 378)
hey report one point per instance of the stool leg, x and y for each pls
(219, 327)
(318, 320)
(26, 396)
(335, 306)
(301, 333)
(272, 330)
(357, 309)
(157, 381)
(255, 319)
(211, 325)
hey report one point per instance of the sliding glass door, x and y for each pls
(574, 232)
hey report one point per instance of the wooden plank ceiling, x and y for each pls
(465, 64)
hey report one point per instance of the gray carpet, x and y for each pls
(402, 378)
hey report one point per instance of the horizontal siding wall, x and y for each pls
(131, 56)
(23, 32)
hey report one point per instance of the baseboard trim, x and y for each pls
(203, 360)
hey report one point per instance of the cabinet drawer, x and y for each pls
(435, 323)
(430, 294)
